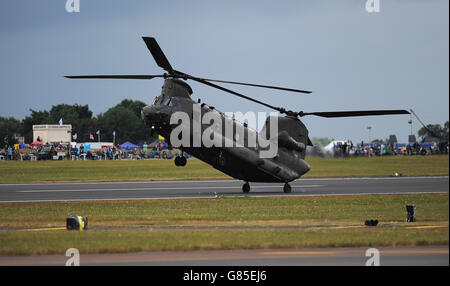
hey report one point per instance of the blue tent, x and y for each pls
(128, 145)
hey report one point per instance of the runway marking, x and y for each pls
(300, 253)
(348, 226)
(427, 226)
(150, 189)
(226, 181)
(384, 226)
(42, 229)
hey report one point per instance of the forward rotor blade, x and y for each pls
(116, 76)
(157, 53)
(354, 113)
(162, 62)
(259, 85)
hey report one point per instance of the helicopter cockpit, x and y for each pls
(162, 100)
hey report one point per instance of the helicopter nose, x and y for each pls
(146, 112)
(153, 115)
(149, 114)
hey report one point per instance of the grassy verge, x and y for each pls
(93, 171)
(125, 170)
(320, 212)
(379, 166)
(228, 210)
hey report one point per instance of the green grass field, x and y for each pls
(331, 221)
(126, 170)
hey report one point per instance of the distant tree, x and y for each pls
(379, 141)
(446, 129)
(125, 120)
(433, 132)
(135, 106)
(79, 116)
(36, 118)
(10, 128)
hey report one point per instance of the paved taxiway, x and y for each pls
(402, 255)
(210, 189)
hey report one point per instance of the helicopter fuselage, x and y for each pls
(243, 162)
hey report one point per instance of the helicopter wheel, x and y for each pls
(180, 161)
(183, 161)
(287, 188)
(246, 187)
(177, 161)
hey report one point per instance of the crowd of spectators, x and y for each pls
(63, 151)
(346, 149)
(34, 152)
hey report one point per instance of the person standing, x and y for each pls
(344, 149)
(10, 153)
(145, 147)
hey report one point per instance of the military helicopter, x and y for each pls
(241, 162)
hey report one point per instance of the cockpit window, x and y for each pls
(166, 101)
(162, 100)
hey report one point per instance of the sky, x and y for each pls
(397, 58)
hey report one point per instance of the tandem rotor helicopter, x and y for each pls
(241, 162)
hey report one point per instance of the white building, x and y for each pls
(53, 133)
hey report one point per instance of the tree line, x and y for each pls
(124, 119)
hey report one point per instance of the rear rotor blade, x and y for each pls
(233, 92)
(116, 76)
(259, 85)
(157, 53)
(354, 113)
(426, 127)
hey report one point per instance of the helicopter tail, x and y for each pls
(292, 134)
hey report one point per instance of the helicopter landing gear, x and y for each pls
(246, 187)
(287, 188)
(180, 161)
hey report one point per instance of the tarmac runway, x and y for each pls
(355, 256)
(210, 189)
